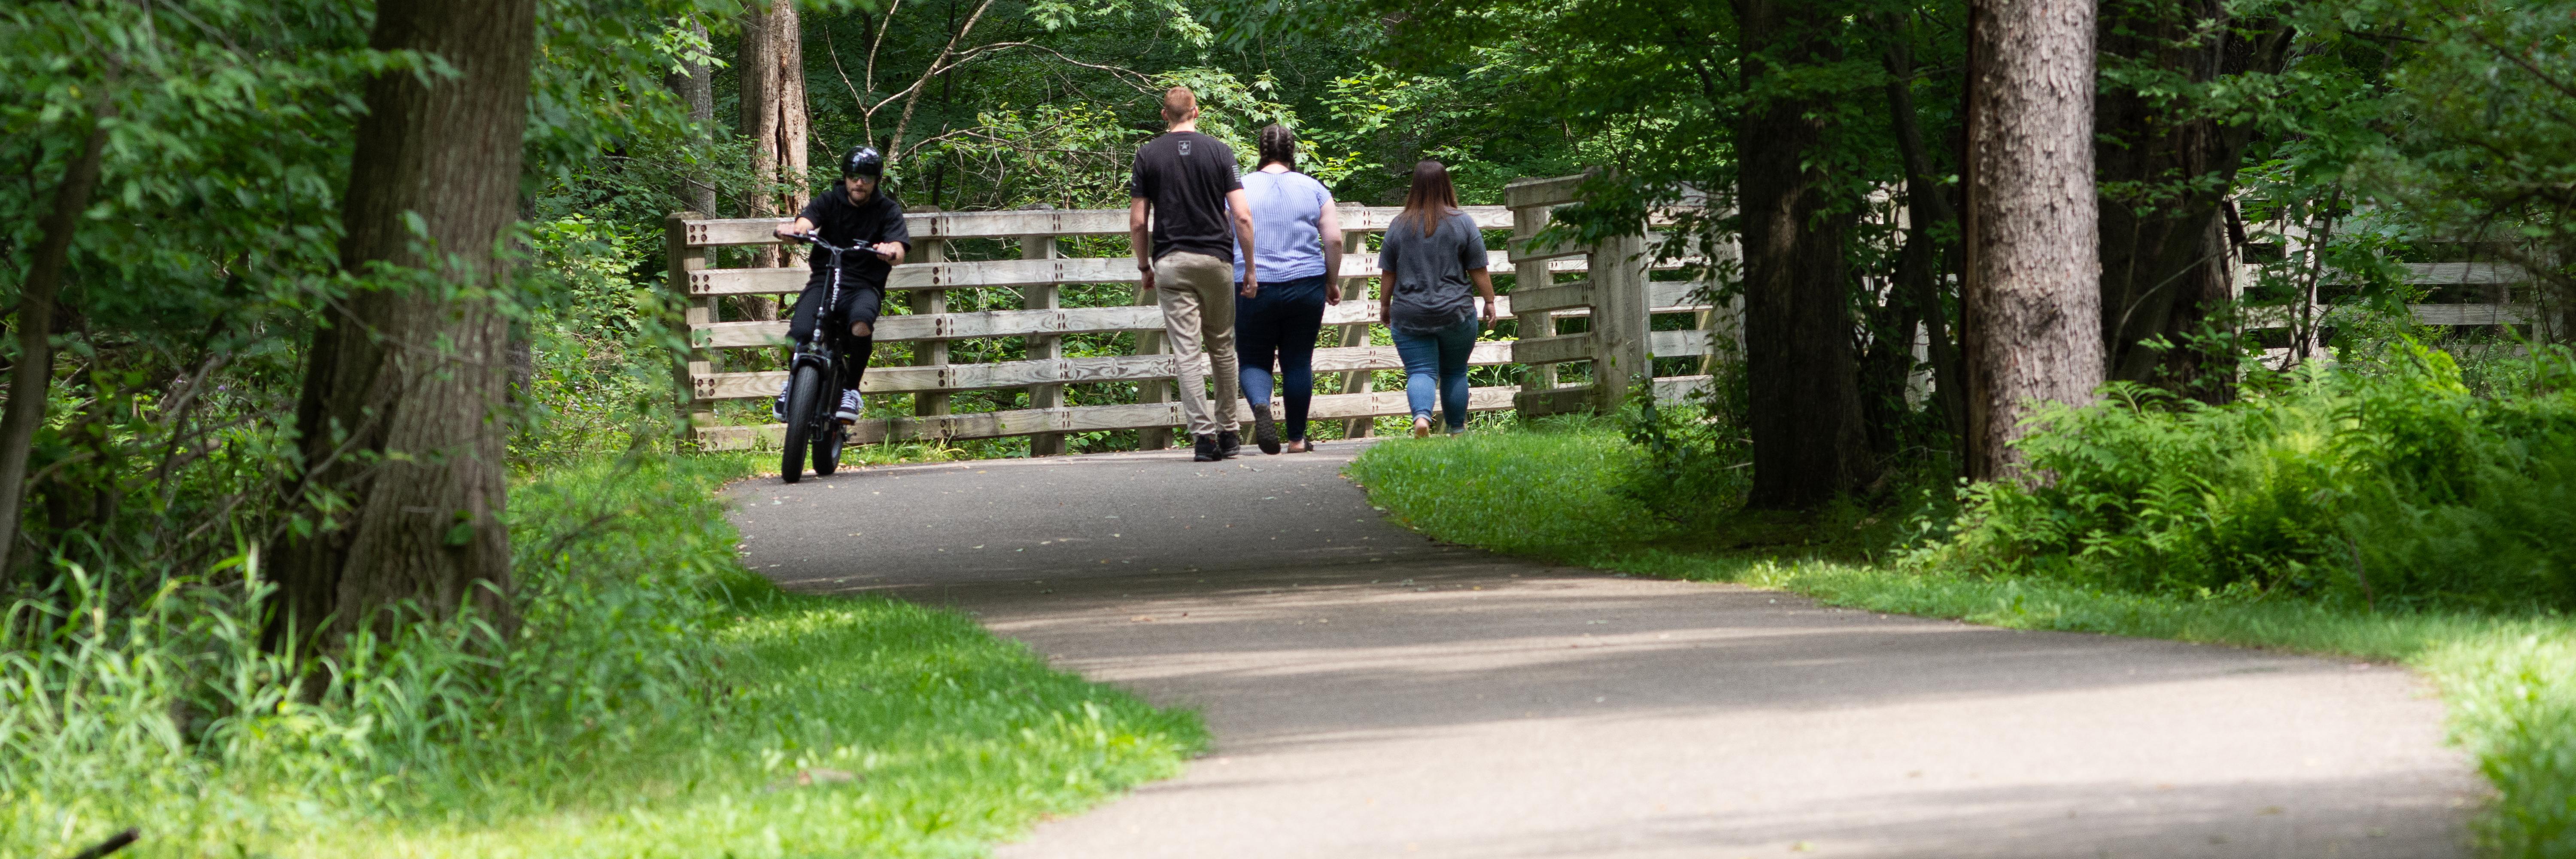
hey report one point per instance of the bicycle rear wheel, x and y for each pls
(804, 400)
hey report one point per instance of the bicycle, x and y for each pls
(814, 386)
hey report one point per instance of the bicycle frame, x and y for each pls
(817, 347)
(810, 419)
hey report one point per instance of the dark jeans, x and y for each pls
(1281, 322)
(1438, 362)
(859, 303)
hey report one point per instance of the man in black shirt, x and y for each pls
(1177, 221)
(851, 215)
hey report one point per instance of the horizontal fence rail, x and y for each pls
(1615, 293)
(2496, 278)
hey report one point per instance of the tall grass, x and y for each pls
(655, 697)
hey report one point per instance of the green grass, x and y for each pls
(2509, 681)
(952, 739)
(661, 701)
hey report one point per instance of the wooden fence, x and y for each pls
(2482, 298)
(1607, 283)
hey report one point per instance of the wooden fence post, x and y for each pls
(1526, 275)
(1354, 218)
(1621, 314)
(929, 353)
(1042, 347)
(689, 363)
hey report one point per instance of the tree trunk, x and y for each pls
(2164, 250)
(696, 87)
(2034, 296)
(1809, 441)
(1918, 265)
(31, 380)
(402, 413)
(773, 113)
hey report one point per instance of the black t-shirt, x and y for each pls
(1185, 175)
(857, 226)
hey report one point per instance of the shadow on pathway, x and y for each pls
(1375, 694)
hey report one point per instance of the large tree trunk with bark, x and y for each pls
(2166, 174)
(1809, 441)
(402, 415)
(31, 380)
(773, 112)
(695, 84)
(2034, 290)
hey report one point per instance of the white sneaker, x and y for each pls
(778, 407)
(849, 412)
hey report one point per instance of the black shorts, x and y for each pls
(858, 304)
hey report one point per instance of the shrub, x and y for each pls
(1695, 464)
(2386, 483)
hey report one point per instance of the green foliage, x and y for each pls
(2389, 486)
(1694, 465)
(657, 693)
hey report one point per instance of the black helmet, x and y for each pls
(863, 161)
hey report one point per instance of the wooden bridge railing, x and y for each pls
(1614, 292)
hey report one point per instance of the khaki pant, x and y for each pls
(1197, 294)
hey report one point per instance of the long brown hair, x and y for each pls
(1278, 144)
(1431, 198)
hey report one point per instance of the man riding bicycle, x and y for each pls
(854, 214)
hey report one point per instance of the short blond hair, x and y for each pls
(1179, 103)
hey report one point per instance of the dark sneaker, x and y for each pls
(778, 407)
(849, 412)
(1207, 451)
(1265, 432)
(1229, 444)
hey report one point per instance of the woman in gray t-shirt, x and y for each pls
(1432, 255)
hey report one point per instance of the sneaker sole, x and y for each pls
(1265, 432)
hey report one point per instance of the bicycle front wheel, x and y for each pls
(804, 410)
(827, 447)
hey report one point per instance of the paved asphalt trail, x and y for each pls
(1375, 694)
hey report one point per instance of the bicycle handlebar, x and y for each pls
(816, 239)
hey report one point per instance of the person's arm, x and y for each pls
(1138, 210)
(1331, 226)
(1484, 278)
(896, 237)
(1241, 203)
(797, 227)
(1471, 256)
(1386, 279)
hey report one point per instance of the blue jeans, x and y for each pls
(1281, 322)
(1438, 362)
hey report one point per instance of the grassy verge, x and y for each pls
(2509, 681)
(852, 727)
(660, 701)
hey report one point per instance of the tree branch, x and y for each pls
(914, 100)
